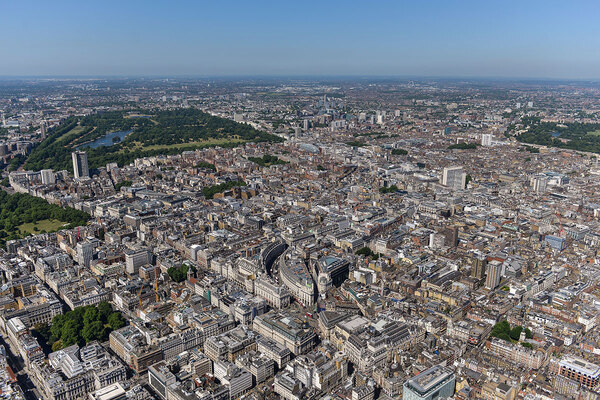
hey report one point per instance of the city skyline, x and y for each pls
(391, 200)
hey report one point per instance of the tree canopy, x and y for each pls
(389, 189)
(179, 274)
(503, 330)
(19, 208)
(166, 132)
(399, 152)
(210, 191)
(267, 160)
(574, 136)
(463, 146)
(81, 325)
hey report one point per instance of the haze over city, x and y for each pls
(514, 39)
(276, 200)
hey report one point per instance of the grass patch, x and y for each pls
(47, 225)
(594, 133)
(199, 143)
(77, 130)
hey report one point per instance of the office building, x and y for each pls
(539, 183)
(47, 177)
(454, 178)
(85, 253)
(277, 296)
(237, 379)
(260, 366)
(436, 382)
(280, 354)
(329, 271)
(136, 258)
(581, 371)
(486, 139)
(289, 331)
(498, 391)
(478, 265)
(494, 271)
(112, 392)
(515, 353)
(159, 378)
(555, 242)
(80, 164)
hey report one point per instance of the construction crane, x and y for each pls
(140, 292)
(156, 283)
(560, 222)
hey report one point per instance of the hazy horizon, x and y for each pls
(436, 39)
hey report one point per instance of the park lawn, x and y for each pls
(138, 116)
(48, 225)
(594, 133)
(78, 129)
(199, 143)
(142, 116)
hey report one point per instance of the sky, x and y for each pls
(446, 38)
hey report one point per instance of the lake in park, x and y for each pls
(106, 140)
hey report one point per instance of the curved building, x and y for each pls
(270, 254)
(296, 277)
(330, 271)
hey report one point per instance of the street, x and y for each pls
(18, 367)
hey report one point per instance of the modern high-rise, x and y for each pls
(80, 164)
(494, 271)
(43, 129)
(539, 183)
(135, 258)
(478, 265)
(434, 383)
(85, 253)
(454, 177)
(486, 139)
(47, 177)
